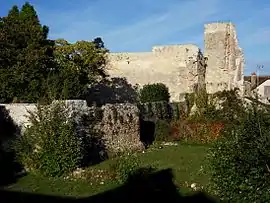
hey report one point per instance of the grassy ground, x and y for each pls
(187, 162)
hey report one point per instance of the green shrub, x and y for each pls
(125, 167)
(232, 106)
(201, 99)
(50, 145)
(195, 132)
(224, 106)
(162, 130)
(175, 106)
(154, 92)
(190, 100)
(240, 161)
(128, 167)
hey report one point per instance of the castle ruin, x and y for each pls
(183, 67)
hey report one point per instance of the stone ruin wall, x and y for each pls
(225, 64)
(119, 123)
(121, 127)
(181, 67)
(165, 64)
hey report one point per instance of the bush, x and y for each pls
(128, 166)
(240, 161)
(232, 107)
(201, 100)
(50, 145)
(154, 92)
(125, 167)
(196, 132)
(162, 130)
(177, 110)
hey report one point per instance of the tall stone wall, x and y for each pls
(182, 67)
(165, 64)
(225, 65)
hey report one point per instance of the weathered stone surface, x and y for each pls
(119, 123)
(121, 127)
(183, 67)
(166, 64)
(225, 65)
(19, 112)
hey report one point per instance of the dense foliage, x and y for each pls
(79, 65)
(212, 113)
(26, 56)
(240, 160)
(34, 68)
(154, 93)
(231, 107)
(50, 146)
(195, 132)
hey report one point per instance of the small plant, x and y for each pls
(190, 100)
(154, 92)
(50, 145)
(129, 167)
(125, 167)
(196, 132)
(175, 111)
(162, 130)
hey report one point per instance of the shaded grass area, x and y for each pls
(186, 160)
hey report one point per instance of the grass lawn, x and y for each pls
(187, 162)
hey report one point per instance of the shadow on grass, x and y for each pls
(141, 187)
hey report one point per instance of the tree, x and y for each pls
(154, 93)
(99, 43)
(26, 55)
(80, 65)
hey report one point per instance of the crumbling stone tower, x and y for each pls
(225, 65)
(184, 68)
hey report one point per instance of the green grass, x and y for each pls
(187, 162)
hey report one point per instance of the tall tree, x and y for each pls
(81, 64)
(98, 43)
(26, 55)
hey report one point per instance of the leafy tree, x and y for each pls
(25, 55)
(80, 65)
(154, 92)
(99, 43)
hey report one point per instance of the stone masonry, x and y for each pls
(118, 124)
(182, 67)
(225, 64)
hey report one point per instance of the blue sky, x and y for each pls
(127, 25)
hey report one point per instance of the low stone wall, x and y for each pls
(119, 123)
(19, 112)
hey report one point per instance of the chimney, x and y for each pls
(253, 79)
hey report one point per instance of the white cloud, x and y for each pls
(139, 25)
(156, 28)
